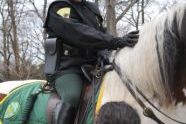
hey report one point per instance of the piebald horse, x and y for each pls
(156, 66)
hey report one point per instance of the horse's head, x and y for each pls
(157, 64)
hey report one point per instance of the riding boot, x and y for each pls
(63, 113)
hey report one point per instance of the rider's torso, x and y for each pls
(73, 56)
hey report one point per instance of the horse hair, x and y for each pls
(157, 64)
(174, 55)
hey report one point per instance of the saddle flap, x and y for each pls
(52, 102)
(63, 113)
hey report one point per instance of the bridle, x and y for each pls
(147, 111)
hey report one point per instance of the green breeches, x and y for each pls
(69, 87)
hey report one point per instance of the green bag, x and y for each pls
(12, 109)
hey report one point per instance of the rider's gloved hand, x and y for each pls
(128, 40)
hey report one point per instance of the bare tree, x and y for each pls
(5, 48)
(112, 18)
(136, 15)
(14, 38)
(16, 46)
(41, 14)
(142, 12)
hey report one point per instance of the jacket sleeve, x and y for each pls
(77, 34)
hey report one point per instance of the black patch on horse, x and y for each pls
(174, 58)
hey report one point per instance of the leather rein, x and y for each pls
(147, 111)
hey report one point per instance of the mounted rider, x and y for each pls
(76, 37)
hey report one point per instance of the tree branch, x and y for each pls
(36, 10)
(126, 10)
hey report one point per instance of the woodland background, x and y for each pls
(22, 36)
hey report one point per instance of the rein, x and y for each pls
(96, 81)
(146, 110)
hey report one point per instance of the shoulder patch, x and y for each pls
(64, 12)
(12, 109)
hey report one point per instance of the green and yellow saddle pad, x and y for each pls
(13, 107)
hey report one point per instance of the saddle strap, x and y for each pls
(85, 98)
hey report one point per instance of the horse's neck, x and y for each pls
(115, 90)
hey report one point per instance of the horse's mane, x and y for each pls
(157, 64)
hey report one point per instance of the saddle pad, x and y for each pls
(12, 107)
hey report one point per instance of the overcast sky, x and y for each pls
(155, 8)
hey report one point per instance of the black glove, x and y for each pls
(128, 40)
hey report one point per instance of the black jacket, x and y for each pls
(82, 34)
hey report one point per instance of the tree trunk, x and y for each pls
(6, 55)
(142, 12)
(14, 39)
(138, 15)
(44, 15)
(111, 16)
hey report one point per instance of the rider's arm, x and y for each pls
(79, 34)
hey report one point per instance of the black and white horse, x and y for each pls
(156, 66)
